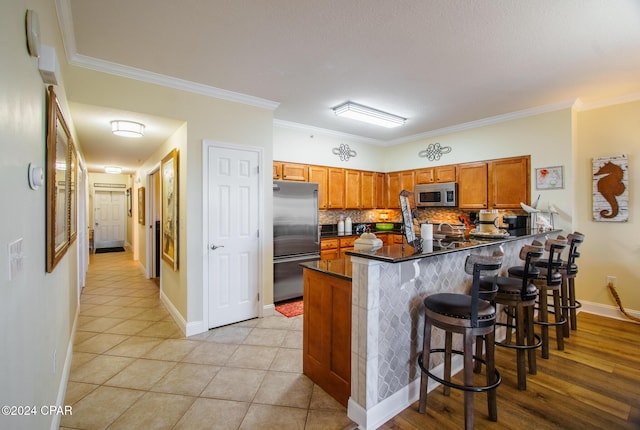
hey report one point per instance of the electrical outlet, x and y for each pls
(611, 280)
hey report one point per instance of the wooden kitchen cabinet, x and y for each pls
(393, 190)
(335, 185)
(318, 174)
(396, 239)
(277, 170)
(434, 175)
(352, 189)
(368, 195)
(346, 244)
(509, 182)
(329, 249)
(381, 190)
(396, 182)
(326, 333)
(472, 185)
(295, 172)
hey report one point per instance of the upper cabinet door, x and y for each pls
(472, 186)
(294, 172)
(445, 173)
(509, 183)
(352, 189)
(277, 170)
(335, 180)
(368, 190)
(425, 176)
(318, 174)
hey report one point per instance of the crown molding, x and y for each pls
(169, 82)
(327, 132)
(484, 122)
(63, 8)
(583, 106)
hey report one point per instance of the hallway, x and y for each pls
(133, 369)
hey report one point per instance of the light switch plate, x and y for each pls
(16, 258)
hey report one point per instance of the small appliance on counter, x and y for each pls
(515, 222)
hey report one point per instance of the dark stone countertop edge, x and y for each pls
(396, 253)
(312, 266)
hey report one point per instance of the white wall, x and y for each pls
(37, 310)
(312, 147)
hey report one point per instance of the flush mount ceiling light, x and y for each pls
(367, 114)
(113, 169)
(127, 128)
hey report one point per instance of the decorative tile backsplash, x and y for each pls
(432, 215)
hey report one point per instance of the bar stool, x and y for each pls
(472, 317)
(549, 283)
(569, 271)
(518, 295)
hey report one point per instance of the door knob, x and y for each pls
(214, 247)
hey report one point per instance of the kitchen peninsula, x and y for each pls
(386, 316)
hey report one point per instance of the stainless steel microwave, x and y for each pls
(433, 195)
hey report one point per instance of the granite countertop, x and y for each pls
(341, 267)
(400, 253)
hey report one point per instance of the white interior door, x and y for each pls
(233, 241)
(108, 218)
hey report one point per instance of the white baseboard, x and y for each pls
(66, 370)
(606, 310)
(391, 406)
(188, 328)
(269, 310)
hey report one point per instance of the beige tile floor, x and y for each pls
(133, 369)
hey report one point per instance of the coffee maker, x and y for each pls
(516, 223)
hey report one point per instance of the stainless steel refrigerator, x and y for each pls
(296, 235)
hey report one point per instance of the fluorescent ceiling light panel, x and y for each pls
(367, 114)
(113, 169)
(127, 128)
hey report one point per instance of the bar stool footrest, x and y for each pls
(537, 337)
(475, 389)
(578, 305)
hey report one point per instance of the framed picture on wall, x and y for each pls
(58, 177)
(549, 178)
(169, 186)
(141, 205)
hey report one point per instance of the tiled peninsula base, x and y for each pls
(387, 325)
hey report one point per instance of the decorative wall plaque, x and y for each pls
(611, 189)
(344, 152)
(434, 151)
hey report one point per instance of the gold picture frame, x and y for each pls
(169, 192)
(141, 206)
(61, 184)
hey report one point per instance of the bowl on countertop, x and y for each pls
(384, 226)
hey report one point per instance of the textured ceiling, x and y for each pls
(439, 63)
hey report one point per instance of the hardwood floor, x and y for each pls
(593, 384)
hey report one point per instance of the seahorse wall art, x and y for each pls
(611, 189)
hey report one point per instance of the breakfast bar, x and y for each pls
(388, 286)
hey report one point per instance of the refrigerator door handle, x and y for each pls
(317, 215)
